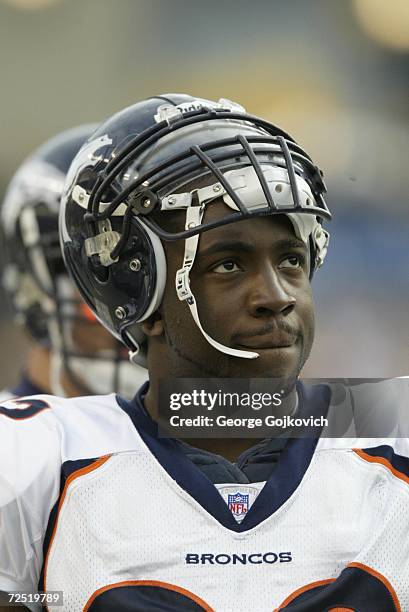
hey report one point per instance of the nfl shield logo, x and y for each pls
(238, 504)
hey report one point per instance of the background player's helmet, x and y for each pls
(43, 297)
(168, 153)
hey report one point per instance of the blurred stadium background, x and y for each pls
(333, 73)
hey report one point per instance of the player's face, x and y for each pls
(251, 283)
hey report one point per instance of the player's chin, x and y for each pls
(273, 362)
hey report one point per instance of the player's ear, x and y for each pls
(153, 325)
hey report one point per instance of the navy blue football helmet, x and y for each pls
(34, 276)
(176, 153)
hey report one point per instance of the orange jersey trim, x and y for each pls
(81, 472)
(381, 461)
(381, 578)
(154, 583)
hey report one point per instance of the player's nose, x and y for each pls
(268, 295)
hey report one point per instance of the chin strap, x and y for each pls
(194, 216)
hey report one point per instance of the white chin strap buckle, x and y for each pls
(194, 217)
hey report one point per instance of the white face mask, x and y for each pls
(101, 376)
(98, 376)
(101, 372)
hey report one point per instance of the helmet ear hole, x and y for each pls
(101, 273)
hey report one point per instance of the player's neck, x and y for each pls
(70, 388)
(38, 367)
(39, 373)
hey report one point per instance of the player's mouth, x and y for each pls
(278, 339)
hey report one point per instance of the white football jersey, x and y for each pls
(6, 394)
(94, 504)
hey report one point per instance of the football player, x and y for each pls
(70, 354)
(192, 230)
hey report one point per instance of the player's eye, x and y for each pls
(292, 262)
(226, 266)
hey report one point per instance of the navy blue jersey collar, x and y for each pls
(25, 387)
(283, 481)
